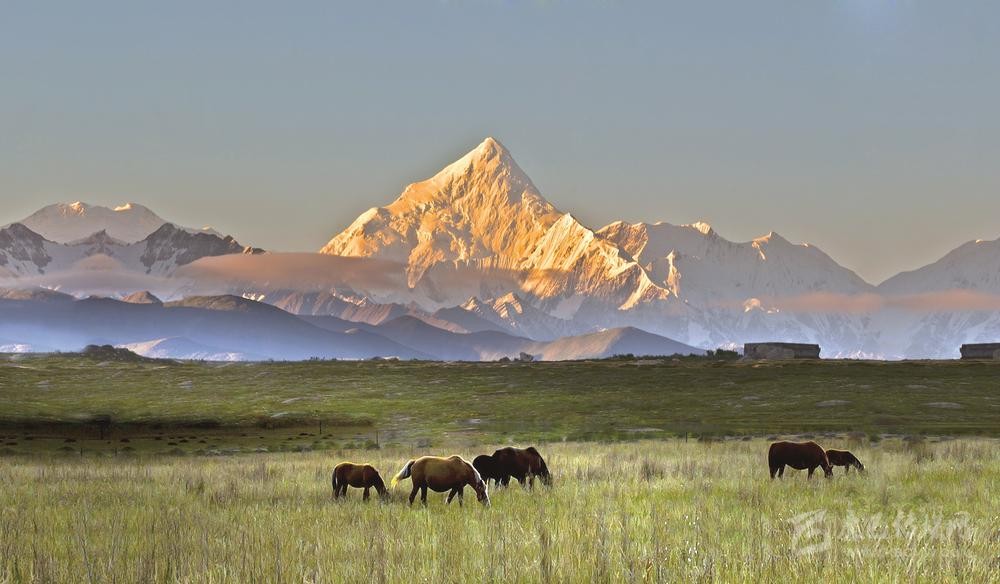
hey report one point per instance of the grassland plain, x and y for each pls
(69, 403)
(646, 511)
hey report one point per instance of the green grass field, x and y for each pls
(648, 511)
(157, 472)
(65, 403)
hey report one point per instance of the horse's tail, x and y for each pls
(403, 474)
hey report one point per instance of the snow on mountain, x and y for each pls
(344, 305)
(972, 266)
(483, 213)
(480, 228)
(751, 291)
(481, 208)
(932, 311)
(24, 252)
(514, 315)
(68, 222)
(700, 266)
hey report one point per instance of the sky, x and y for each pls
(868, 128)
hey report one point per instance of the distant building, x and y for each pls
(780, 351)
(981, 351)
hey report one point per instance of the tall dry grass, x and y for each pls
(637, 512)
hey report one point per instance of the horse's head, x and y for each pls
(543, 473)
(828, 470)
(479, 485)
(858, 465)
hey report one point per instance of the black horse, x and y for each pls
(845, 459)
(506, 463)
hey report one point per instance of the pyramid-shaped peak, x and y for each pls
(489, 156)
(491, 147)
(479, 182)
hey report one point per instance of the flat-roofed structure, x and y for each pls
(981, 351)
(780, 351)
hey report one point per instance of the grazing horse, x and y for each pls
(487, 468)
(845, 459)
(798, 455)
(440, 475)
(521, 464)
(359, 476)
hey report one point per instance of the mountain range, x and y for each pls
(129, 237)
(476, 263)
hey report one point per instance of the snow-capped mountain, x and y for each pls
(26, 253)
(935, 309)
(697, 264)
(484, 214)
(68, 222)
(481, 208)
(971, 266)
(476, 250)
(480, 228)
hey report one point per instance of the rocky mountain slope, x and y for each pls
(24, 252)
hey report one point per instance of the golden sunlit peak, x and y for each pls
(701, 226)
(125, 207)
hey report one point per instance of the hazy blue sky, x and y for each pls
(869, 128)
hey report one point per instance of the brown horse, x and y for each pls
(359, 476)
(798, 455)
(521, 464)
(845, 459)
(440, 475)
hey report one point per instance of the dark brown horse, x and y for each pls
(521, 464)
(845, 459)
(453, 474)
(798, 455)
(487, 469)
(359, 476)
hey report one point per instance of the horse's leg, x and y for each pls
(413, 494)
(365, 496)
(461, 496)
(774, 471)
(451, 495)
(847, 469)
(812, 469)
(781, 471)
(423, 495)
